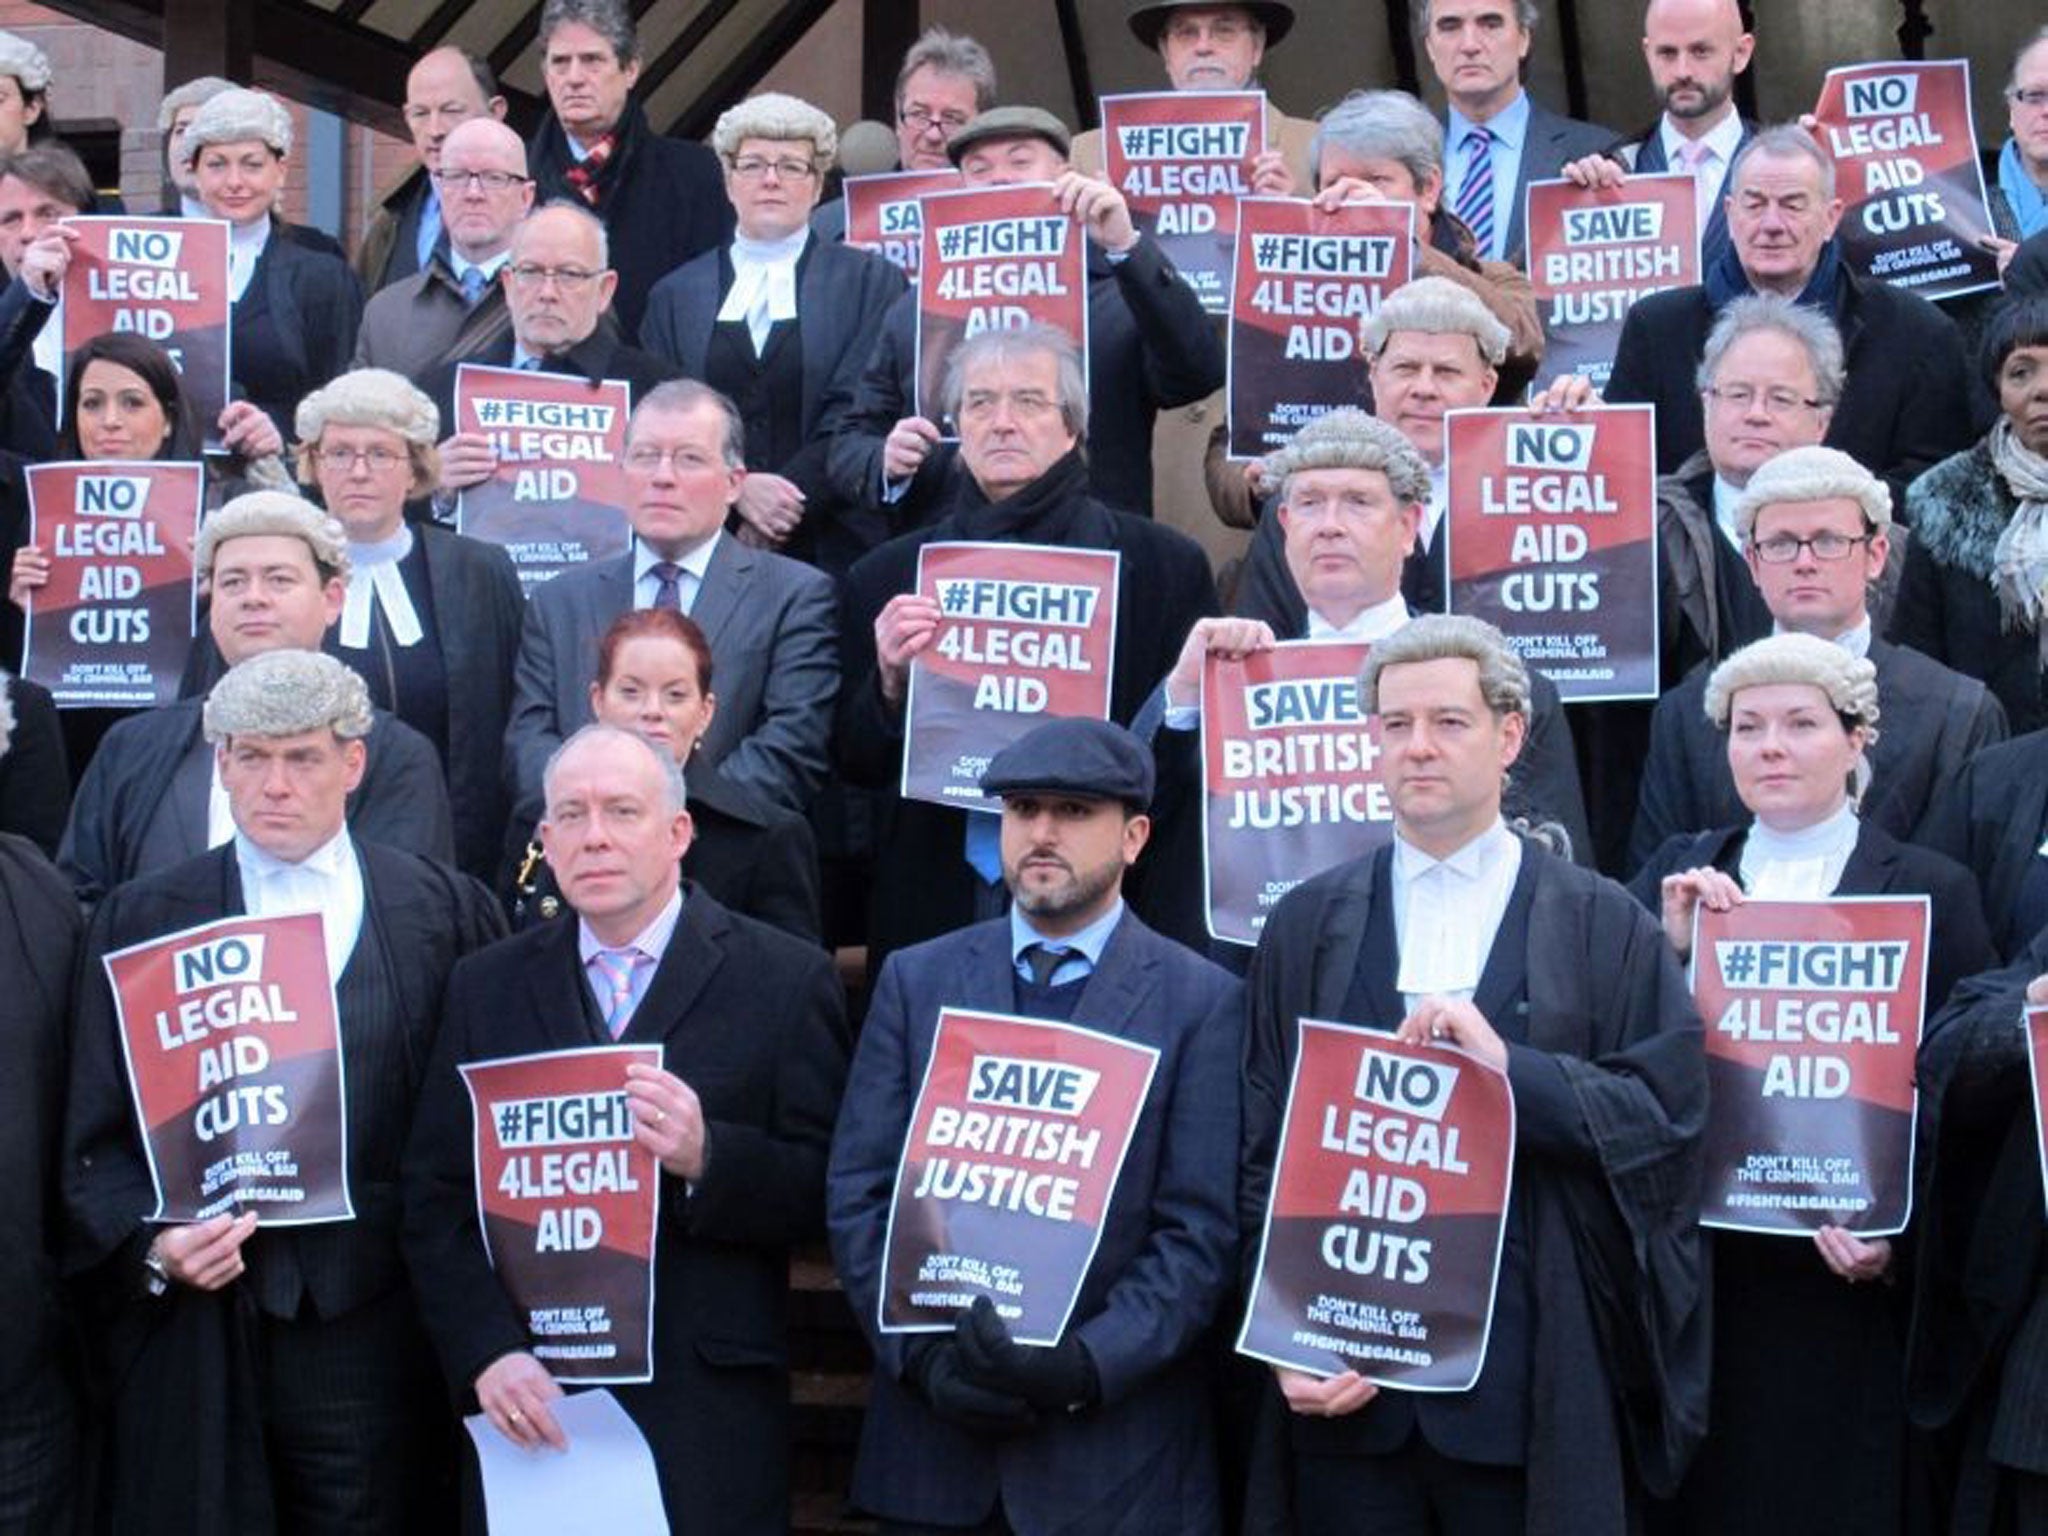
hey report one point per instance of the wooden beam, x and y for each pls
(208, 37)
(1401, 43)
(743, 72)
(887, 29)
(686, 42)
(1914, 30)
(1086, 112)
(1574, 61)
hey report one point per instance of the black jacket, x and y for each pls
(35, 783)
(599, 356)
(315, 304)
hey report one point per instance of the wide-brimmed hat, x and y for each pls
(1149, 20)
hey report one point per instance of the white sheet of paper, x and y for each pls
(604, 1482)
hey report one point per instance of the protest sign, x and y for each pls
(1812, 1012)
(558, 497)
(994, 259)
(233, 1047)
(1029, 633)
(1593, 251)
(1304, 283)
(1290, 776)
(569, 1205)
(166, 279)
(1552, 538)
(1182, 159)
(2037, 1076)
(1906, 166)
(1009, 1166)
(1382, 1240)
(883, 214)
(113, 625)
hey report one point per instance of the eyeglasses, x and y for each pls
(2033, 99)
(924, 119)
(1783, 549)
(527, 275)
(648, 459)
(490, 181)
(1776, 402)
(754, 168)
(342, 460)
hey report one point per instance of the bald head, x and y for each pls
(1695, 49)
(445, 88)
(484, 187)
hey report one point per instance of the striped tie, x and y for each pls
(617, 966)
(1475, 193)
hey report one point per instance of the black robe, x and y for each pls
(1991, 817)
(35, 783)
(1619, 1338)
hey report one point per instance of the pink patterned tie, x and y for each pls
(617, 966)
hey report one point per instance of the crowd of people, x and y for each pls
(658, 800)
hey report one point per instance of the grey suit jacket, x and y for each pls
(1552, 140)
(773, 626)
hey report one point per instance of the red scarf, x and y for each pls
(583, 175)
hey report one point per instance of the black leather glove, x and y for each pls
(1056, 1379)
(933, 1368)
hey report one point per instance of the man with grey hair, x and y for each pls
(1497, 139)
(1462, 934)
(1906, 401)
(1815, 528)
(448, 87)
(1023, 417)
(659, 197)
(276, 571)
(292, 1360)
(2021, 192)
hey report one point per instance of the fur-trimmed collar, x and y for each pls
(1959, 508)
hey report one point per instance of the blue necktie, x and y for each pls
(1475, 193)
(473, 285)
(668, 585)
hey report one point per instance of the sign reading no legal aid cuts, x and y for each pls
(1028, 633)
(166, 279)
(231, 1038)
(1182, 159)
(558, 497)
(570, 1204)
(994, 259)
(1593, 251)
(884, 214)
(114, 624)
(1304, 283)
(1812, 1012)
(1290, 776)
(1009, 1166)
(1553, 540)
(1906, 166)
(1381, 1248)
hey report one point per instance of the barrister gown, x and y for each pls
(1991, 817)
(923, 885)
(182, 1371)
(293, 328)
(35, 784)
(754, 1021)
(1808, 1412)
(1617, 1337)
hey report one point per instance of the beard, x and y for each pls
(1712, 96)
(1080, 890)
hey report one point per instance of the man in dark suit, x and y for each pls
(273, 1381)
(1109, 1428)
(277, 568)
(1594, 1386)
(1815, 525)
(771, 621)
(1496, 138)
(38, 190)
(1906, 402)
(739, 1115)
(659, 197)
(446, 88)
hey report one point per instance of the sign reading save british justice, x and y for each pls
(883, 213)
(114, 623)
(1019, 1132)
(166, 279)
(1905, 151)
(1593, 251)
(1290, 776)
(995, 259)
(1304, 283)
(1553, 540)
(557, 499)
(1381, 1248)
(569, 1204)
(1812, 1012)
(1182, 159)
(231, 1038)
(1027, 633)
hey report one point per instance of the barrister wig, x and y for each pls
(238, 117)
(275, 512)
(772, 115)
(193, 93)
(1850, 682)
(373, 397)
(26, 62)
(287, 693)
(6, 715)
(1503, 680)
(1438, 307)
(1813, 474)
(1349, 438)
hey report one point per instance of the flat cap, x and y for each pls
(1010, 123)
(1148, 19)
(1074, 756)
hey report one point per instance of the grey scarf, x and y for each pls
(2019, 566)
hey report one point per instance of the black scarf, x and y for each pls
(1056, 508)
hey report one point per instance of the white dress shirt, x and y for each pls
(1448, 911)
(1433, 509)
(1855, 640)
(1368, 624)
(763, 283)
(1726, 494)
(245, 249)
(328, 881)
(1716, 151)
(692, 565)
(377, 580)
(1798, 866)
